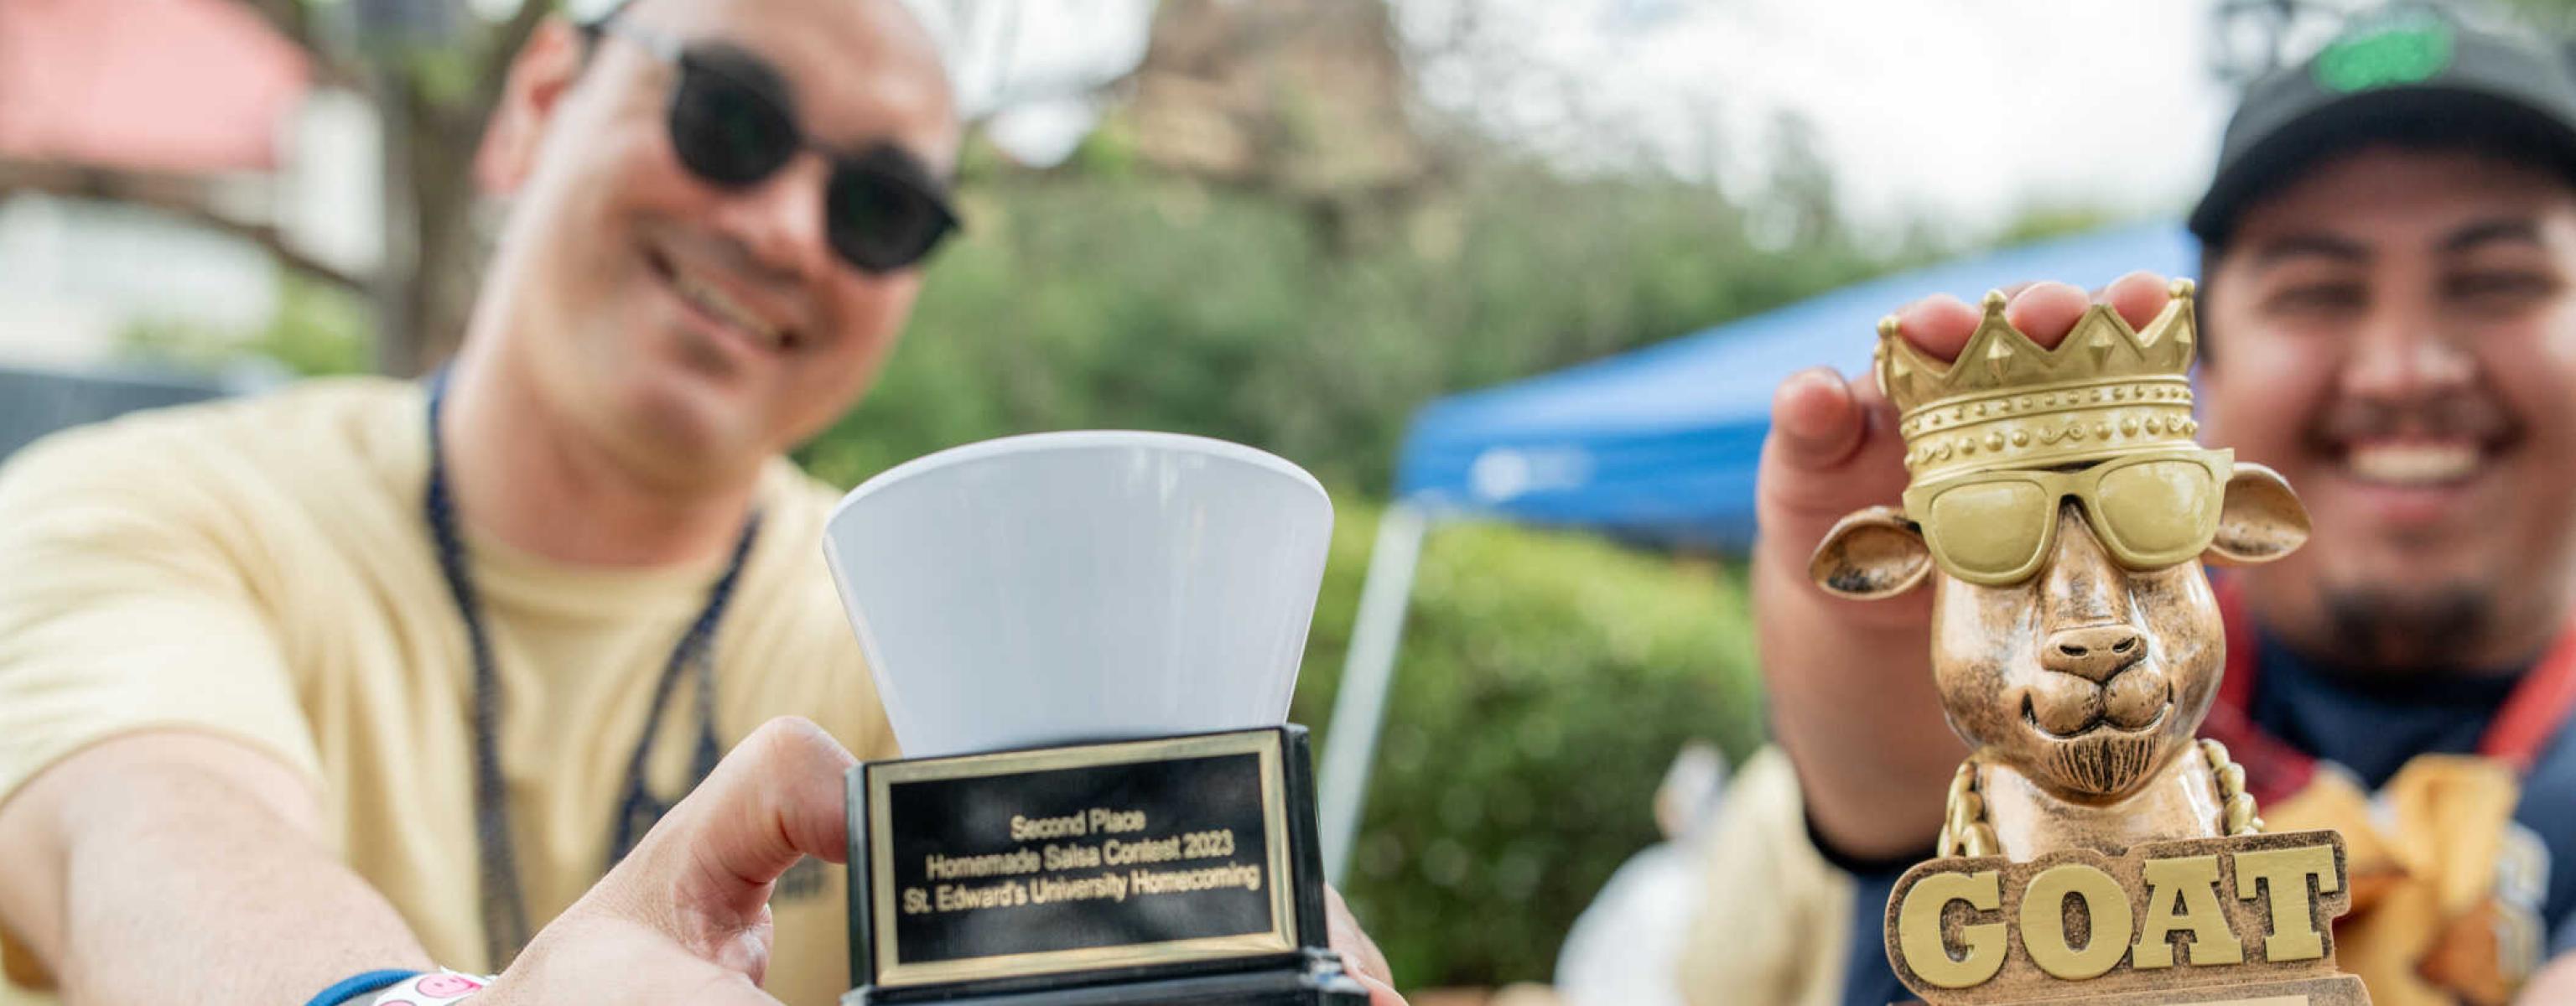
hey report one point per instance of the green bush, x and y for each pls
(1545, 682)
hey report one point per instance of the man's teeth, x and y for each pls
(713, 301)
(2414, 464)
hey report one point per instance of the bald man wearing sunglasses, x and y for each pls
(304, 697)
(2388, 309)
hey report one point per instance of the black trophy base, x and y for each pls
(1161, 870)
(1312, 978)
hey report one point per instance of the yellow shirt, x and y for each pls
(261, 569)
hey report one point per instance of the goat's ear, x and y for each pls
(1871, 554)
(2262, 519)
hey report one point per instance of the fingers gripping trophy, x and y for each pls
(2092, 850)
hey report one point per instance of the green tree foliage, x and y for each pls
(1094, 296)
(1545, 683)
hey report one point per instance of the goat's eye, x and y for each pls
(2161, 510)
(1992, 528)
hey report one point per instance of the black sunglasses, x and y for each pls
(732, 126)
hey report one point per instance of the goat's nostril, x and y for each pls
(2096, 652)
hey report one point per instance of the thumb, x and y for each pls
(1815, 420)
(703, 875)
(776, 798)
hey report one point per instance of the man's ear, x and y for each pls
(2262, 519)
(1872, 554)
(539, 75)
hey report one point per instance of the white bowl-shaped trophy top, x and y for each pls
(1081, 586)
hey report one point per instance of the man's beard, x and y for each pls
(2396, 635)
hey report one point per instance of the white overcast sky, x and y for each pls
(1967, 111)
(1964, 110)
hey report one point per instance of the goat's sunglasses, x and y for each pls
(2149, 511)
(881, 210)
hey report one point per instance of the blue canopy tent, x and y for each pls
(1658, 445)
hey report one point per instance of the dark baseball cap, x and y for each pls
(2417, 80)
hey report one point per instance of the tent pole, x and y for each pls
(1359, 705)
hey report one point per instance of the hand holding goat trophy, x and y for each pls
(2093, 850)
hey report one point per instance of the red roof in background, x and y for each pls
(188, 86)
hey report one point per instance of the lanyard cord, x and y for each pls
(505, 912)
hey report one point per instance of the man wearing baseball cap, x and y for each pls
(2389, 319)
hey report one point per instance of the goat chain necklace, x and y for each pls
(1966, 832)
(505, 912)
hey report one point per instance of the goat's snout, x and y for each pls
(2095, 653)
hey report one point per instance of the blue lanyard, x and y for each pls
(505, 912)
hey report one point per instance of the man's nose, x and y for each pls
(2095, 653)
(780, 221)
(2400, 352)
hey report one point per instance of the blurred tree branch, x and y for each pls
(432, 70)
(432, 97)
(176, 195)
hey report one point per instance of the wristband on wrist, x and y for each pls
(436, 988)
(352, 988)
(400, 987)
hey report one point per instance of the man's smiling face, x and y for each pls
(698, 327)
(2395, 332)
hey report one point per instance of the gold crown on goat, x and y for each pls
(2007, 402)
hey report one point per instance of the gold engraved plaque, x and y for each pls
(2164, 920)
(1062, 859)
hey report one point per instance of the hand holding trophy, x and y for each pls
(1087, 643)
(2092, 849)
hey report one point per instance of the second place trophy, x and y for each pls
(1086, 643)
